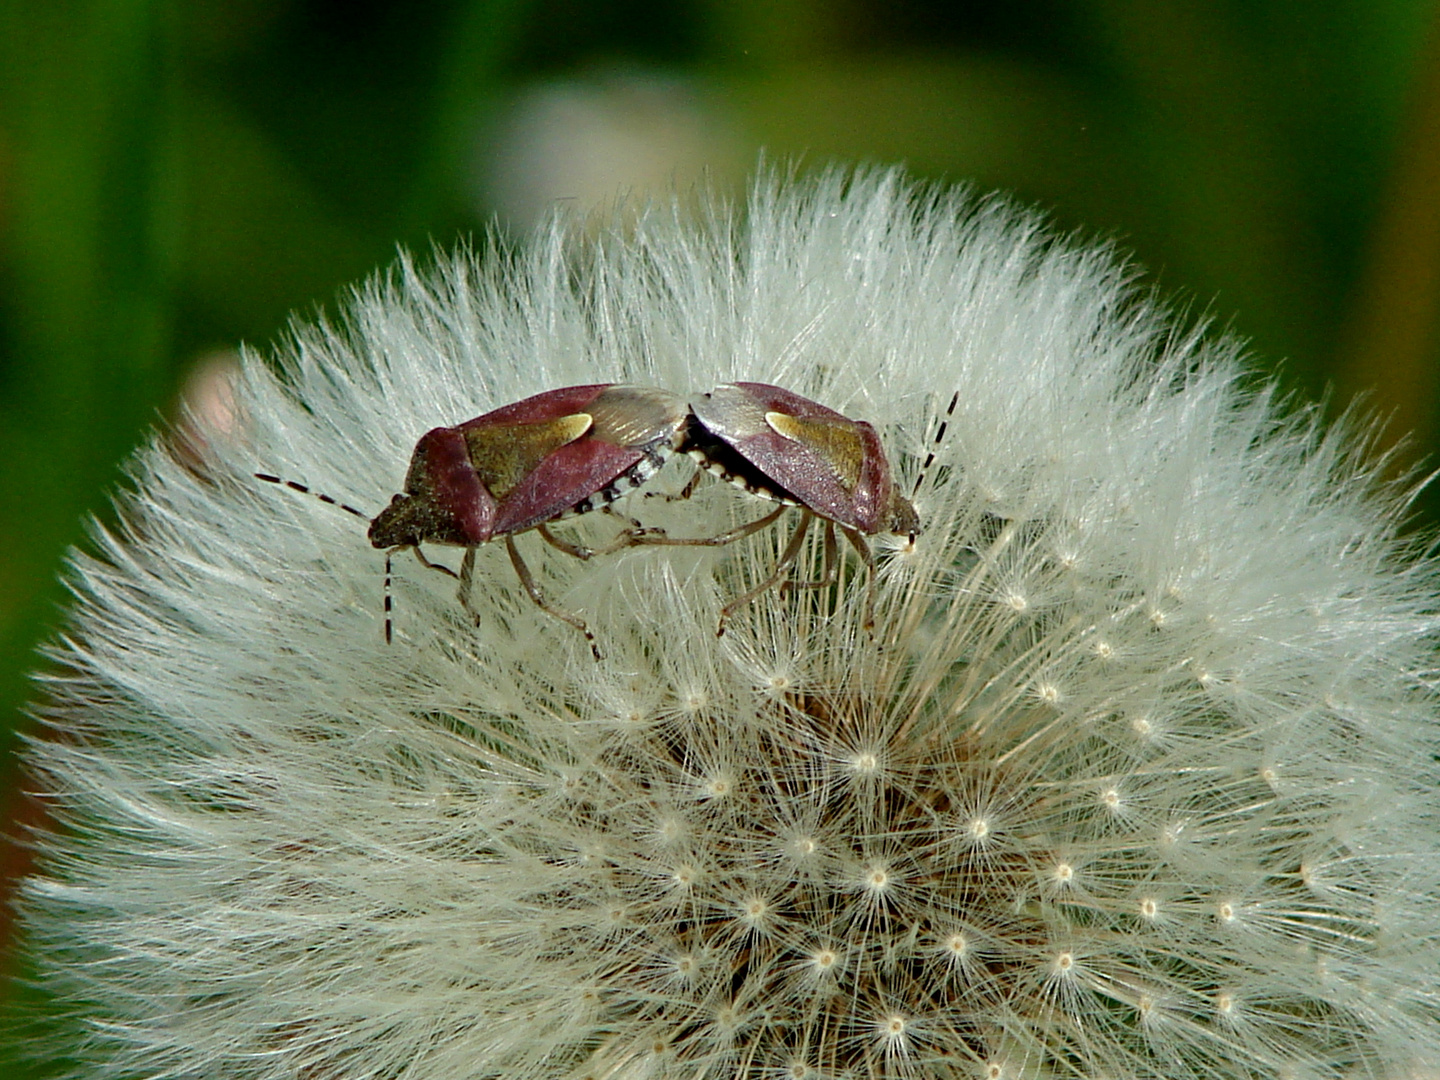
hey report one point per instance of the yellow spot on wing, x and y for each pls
(837, 441)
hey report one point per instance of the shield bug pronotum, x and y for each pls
(794, 451)
(521, 467)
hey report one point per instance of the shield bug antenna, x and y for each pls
(794, 451)
(935, 444)
(521, 467)
(330, 500)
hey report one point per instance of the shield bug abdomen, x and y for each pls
(787, 448)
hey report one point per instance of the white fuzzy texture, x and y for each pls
(1136, 778)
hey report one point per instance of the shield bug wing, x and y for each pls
(632, 430)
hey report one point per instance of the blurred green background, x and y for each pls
(178, 177)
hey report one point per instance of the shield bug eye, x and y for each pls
(521, 467)
(794, 451)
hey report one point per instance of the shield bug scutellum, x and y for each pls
(783, 447)
(521, 467)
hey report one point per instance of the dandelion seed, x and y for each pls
(716, 786)
(802, 847)
(1133, 777)
(671, 829)
(684, 971)
(878, 885)
(1226, 1006)
(894, 1032)
(1062, 874)
(823, 962)
(755, 915)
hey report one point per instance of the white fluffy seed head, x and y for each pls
(1135, 776)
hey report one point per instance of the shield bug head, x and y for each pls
(784, 447)
(522, 466)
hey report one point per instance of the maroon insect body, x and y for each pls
(794, 451)
(524, 465)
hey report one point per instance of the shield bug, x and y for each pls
(523, 466)
(794, 451)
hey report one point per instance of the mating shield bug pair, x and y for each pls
(579, 448)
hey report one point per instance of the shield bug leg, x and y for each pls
(532, 588)
(632, 527)
(528, 580)
(868, 557)
(782, 568)
(577, 551)
(832, 567)
(829, 568)
(738, 533)
(628, 538)
(467, 585)
(729, 537)
(427, 563)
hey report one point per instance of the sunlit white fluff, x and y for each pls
(1135, 779)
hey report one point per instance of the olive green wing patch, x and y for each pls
(504, 454)
(837, 441)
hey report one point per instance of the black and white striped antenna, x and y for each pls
(935, 443)
(296, 486)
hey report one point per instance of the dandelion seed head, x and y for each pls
(1099, 795)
